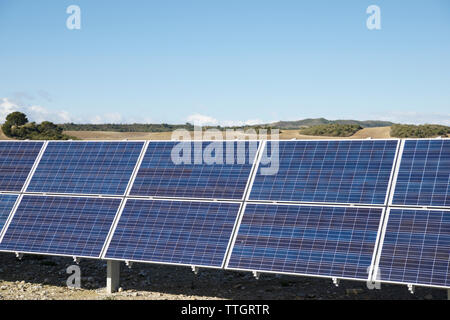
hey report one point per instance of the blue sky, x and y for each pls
(225, 62)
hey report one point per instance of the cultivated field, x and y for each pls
(375, 133)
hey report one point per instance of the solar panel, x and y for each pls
(174, 232)
(160, 176)
(342, 171)
(424, 174)
(16, 161)
(60, 225)
(86, 167)
(6, 204)
(306, 240)
(416, 248)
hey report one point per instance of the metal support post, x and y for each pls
(113, 276)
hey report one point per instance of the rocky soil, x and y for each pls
(43, 278)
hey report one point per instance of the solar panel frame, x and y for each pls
(376, 276)
(397, 171)
(18, 202)
(124, 200)
(240, 203)
(386, 199)
(164, 197)
(370, 267)
(4, 217)
(144, 142)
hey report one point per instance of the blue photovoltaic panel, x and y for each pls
(328, 171)
(179, 232)
(16, 161)
(322, 241)
(159, 175)
(60, 225)
(86, 167)
(416, 248)
(6, 203)
(424, 174)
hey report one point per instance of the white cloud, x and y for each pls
(38, 113)
(34, 112)
(239, 123)
(6, 107)
(413, 117)
(204, 120)
(106, 118)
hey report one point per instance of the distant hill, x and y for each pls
(319, 121)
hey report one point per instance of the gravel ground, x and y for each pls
(42, 278)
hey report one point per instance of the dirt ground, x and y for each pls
(375, 133)
(44, 278)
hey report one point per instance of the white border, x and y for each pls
(113, 227)
(396, 171)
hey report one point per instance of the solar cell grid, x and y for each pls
(6, 204)
(343, 171)
(16, 161)
(159, 176)
(416, 248)
(176, 232)
(86, 167)
(60, 225)
(424, 174)
(320, 241)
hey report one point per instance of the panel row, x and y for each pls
(339, 172)
(168, 169)
(331, 241)
(319, 241)
(160, 231)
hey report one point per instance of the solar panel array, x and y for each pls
(416, 244)
(161, 175)
(16, 161)
(80, 167)
(424, 174)
(179, 232)
(416, 248)
(60, 225)
(328, 172)
(322, 213)
(325, 241)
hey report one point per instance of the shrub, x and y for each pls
(332, 130)
(419, 131)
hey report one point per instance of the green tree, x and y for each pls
(16, 118)
(17, 126)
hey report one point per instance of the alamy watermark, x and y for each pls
(374, 20)
(73, 22)
(228, 147)
(74, 280)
